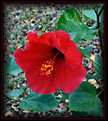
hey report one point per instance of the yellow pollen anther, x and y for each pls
(47, 68)
(42, 65)
(48, 72)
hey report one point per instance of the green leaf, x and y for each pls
(39, 102)
(65, 96)
(84, 52)
(83, 95)
(70, 21)
(90, 14)
(88, 48)
(14, 93)
(5, 69)
(101, 20)
(12, 67)
(99, 66)
(84, 98)
(79, 114)
(99, 61)
(97, 110)
(92, 76)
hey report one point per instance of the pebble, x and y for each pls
(66, 100)
(8, 113)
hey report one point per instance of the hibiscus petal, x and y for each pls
(51, 38)
(35, 53)
(31, 59)
(70, 50)
(63, 37)
(32, 35)
(67, 77)
(73, 55)
(41, 84)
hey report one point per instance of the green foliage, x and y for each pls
(92, 76)
(39, 102)
(14, 93)
(71, 22)
(90, 14)
(65, 96)
(99, 66)
(88, 48)
(101, 20)
(97, 110)
(79, 114)
(98, 63)
(11, 68)
(84, 52)
(85, 99)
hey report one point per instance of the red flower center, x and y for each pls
(48, 66)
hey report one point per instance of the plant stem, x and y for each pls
(99, 92)
(101, 10)
(98, 26)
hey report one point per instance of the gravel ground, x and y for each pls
(18, 20)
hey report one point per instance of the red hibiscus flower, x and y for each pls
(50, 62)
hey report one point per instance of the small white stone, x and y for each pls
(66, 100)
